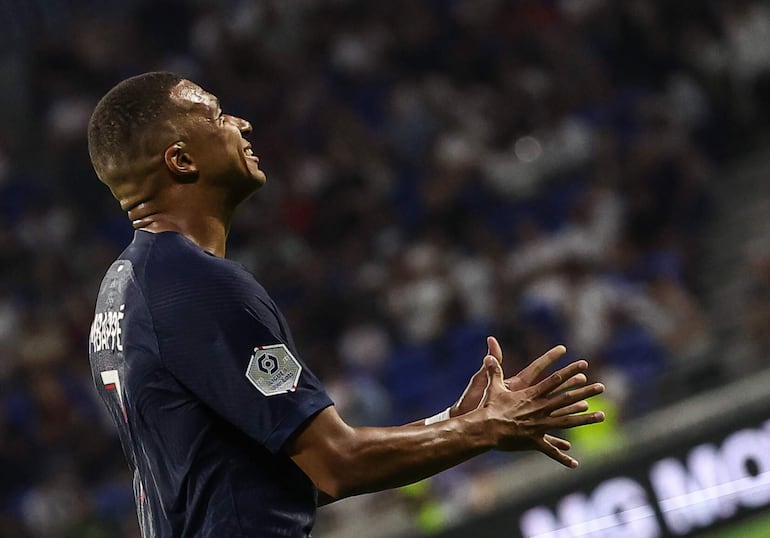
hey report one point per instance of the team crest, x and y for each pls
(273, 370)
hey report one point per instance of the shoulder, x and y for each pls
(174, 261)
(180, 278)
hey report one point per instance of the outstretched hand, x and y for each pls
(521, 418)
(474, 392)
(483, 384)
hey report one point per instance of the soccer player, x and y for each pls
(226, 430)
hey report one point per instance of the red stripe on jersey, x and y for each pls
(110, 386)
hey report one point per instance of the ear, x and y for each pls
(180, 163)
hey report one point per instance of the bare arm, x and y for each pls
(344, 461)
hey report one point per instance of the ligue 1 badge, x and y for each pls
(273, 370)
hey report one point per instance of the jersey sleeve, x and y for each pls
(221, 336)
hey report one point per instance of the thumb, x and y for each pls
(494, 349)
(494, 370)
(495, 383)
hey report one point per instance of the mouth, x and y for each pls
(249, 153)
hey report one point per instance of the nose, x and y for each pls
(243, 125)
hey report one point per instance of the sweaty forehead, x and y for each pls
(191, 96)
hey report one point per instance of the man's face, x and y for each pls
(215, 140)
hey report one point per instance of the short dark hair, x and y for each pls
(124, 116)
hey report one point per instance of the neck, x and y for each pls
(206, 228)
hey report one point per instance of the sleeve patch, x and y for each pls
(273, 370)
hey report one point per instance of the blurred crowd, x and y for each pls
(442, 170)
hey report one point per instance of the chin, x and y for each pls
(255, 182)
(256, 174)
(260, 178)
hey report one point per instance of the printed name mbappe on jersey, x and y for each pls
(105, 330)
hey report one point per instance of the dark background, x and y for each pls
(546, 171)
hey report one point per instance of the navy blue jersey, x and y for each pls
(199, 371)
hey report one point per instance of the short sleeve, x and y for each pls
(220, 336)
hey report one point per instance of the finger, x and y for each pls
(517, 383)
(479, 376)
(495, 383)
(575, 381)
(473, 392)
(558, 442)
(573, 421)
(554, 453)
(494, 373)
(494, 349)
(540, 364)
(553, 381)
(568, 398)
(578, 407)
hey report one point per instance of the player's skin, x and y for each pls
(194, 185)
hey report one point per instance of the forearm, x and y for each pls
(362, 460)
(383, 458)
